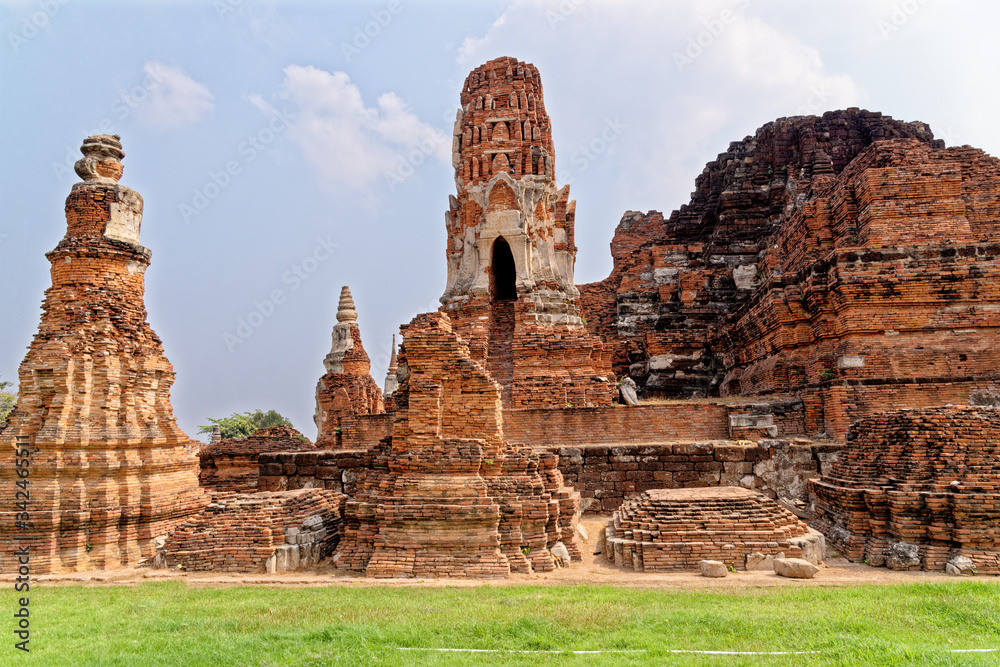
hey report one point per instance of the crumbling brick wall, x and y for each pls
(232, 464)
(929, 478)
(257, 532)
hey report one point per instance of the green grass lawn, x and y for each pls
(172, 624)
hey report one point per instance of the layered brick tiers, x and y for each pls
(257, 532)
(848, 259)
(446, 495)
(110, 471)
(233, 464)
(674, 529)
(928, 478)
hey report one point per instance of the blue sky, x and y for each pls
(284, 149)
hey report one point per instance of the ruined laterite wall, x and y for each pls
(605, 475)
(653, 423)
(258, 532)
(232, 464)
(929, 478)
(618, 425)
(110, 469)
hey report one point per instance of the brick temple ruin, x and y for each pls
(805, 338)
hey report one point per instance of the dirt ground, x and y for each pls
(593, 570)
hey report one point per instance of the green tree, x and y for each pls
(244, 425)
(7, 401)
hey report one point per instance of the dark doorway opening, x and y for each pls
(503, 276)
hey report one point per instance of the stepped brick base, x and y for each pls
(674, 529)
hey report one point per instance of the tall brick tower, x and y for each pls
(109, 471)
(511, 251)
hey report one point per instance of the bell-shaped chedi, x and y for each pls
(446, 495)
(347, 388)
(511, 250)
(110, 471)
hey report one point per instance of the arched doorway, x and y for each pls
(503, 297)
(503, 274)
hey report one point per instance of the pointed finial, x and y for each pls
(391, 381)
(345, 309)
(101, 161)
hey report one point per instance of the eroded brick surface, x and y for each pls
(242, 532)
(110, 469)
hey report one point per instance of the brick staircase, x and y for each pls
(500, 359)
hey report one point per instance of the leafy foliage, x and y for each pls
(7, 401)
(246, 424)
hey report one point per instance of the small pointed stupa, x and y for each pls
(347, 388)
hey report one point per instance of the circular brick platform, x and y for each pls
(673, 529)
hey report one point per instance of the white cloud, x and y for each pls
(172, 98)
(352, 145)
(472, 46)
